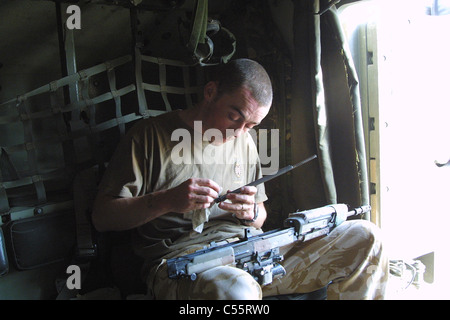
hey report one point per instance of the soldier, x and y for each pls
(164, 188)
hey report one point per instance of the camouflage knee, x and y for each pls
(225, 283)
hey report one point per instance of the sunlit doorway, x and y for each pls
(401, 51)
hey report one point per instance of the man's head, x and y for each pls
(237, 98)
(245, 73)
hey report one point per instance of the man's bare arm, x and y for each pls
(115, 213)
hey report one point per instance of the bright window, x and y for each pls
(402, 54)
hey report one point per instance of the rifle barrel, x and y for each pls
(267, 178)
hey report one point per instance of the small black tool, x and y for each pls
(267, 178)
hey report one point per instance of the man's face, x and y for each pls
(232, 113)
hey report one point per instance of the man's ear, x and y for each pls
(210, 91)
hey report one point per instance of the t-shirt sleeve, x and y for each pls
(127, 172)
(261, 193)
(254, 158)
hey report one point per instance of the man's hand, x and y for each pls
(242, 204)
(193, 194)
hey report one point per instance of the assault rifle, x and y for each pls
(259, 255)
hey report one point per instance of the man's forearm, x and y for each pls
(117, 214)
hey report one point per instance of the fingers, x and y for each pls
(241, 204)
(240, 210)
(251, 190)
(193, 194)
(245, 196)
(206, 183)
(204, 191)
(199, 193)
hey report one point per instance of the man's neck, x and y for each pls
(192, 114)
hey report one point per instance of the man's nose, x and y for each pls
(240, 130)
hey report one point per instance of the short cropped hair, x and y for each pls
(244, 73)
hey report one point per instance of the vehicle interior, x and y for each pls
(362, 84)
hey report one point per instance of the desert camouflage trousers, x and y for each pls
(350, 261)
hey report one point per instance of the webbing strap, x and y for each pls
(169, 89)
(84, 192)
(58, 173)
(71, 79)
(117, 101)
(163, 82)
(17, 213)
(198, 34)
(90, 111)
(31, 155)
(68, 152)
(169, 62)
(139, 83)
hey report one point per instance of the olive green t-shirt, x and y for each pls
(161, 153)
